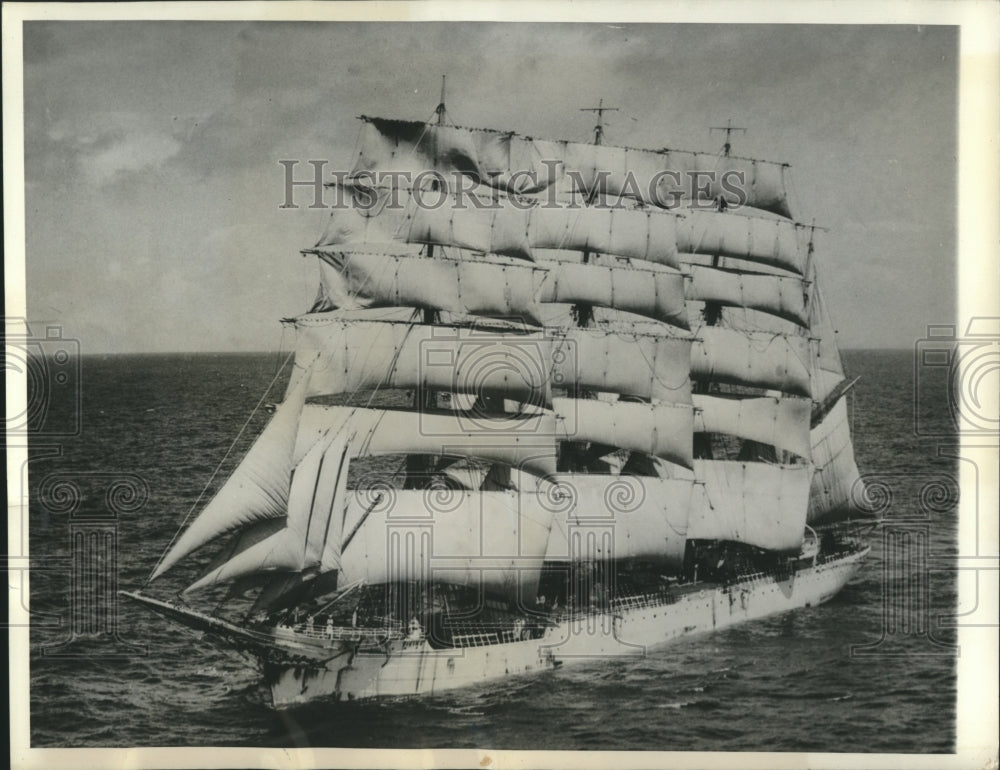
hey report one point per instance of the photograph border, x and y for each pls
(979, 297)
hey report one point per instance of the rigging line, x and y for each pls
(413, 150)
(356, 153)
(852, 409)
(363, 447)
(281, 346)
(369, 351)
(793, 189)
(656, 377)
(368, 277)
(194, 505)
(395, 359)
(373, 427)
(409, 213)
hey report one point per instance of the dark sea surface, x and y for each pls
(789, 683)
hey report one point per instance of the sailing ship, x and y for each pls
(552, 404)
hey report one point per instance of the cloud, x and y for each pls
(99, 147)
(129, 154)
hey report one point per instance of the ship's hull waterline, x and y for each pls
(411, 668)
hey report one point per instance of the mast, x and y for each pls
(583, 312)
(712, 312)
(418, 466)
(729, 128)
(600, 109)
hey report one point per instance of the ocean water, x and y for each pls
(866, 672)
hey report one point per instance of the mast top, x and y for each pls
(728, 128)
(440, 110)
(600, 109)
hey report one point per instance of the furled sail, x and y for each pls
(782, 296)
(312, 533)
(494, 539)
(258, 488)
(647, 517)
(755, 503)
(523, 165)
(780, 422)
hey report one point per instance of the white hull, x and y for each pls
(414, 668)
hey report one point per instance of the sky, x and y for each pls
(153, 185)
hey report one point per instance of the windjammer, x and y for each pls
(516, 437)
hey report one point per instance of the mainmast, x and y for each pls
(600, 109)
(583, 313)
(712, 312)
(418, 466)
